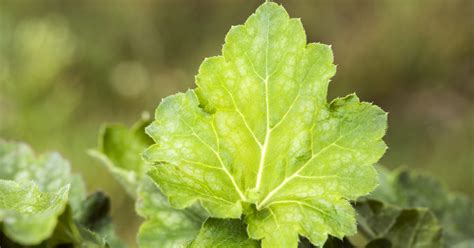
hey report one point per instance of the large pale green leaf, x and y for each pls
(219, 233)
(257, 137)
(388, 226)
(408, 189)
(29, 215)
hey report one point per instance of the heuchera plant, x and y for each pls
(254, 156)
(257, 139)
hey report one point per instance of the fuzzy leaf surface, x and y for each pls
(42, 203)
(165, 226)
(258, 137)
(19, 163)
(48, 171)
(29, 215)
(220, 233)
(120, 151)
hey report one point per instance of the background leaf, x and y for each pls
(400, 228)
(409, 190)
(45, 205)
(29, 215)
(119, 150)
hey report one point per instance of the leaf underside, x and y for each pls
(257, 137)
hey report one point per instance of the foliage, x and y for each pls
(221, 233)
(44, 205)
(408, 190)
(119, 150)
(397, 227)
(258, 138)
(253, 157)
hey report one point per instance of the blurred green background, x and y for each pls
(66, 67)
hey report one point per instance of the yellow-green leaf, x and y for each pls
(258, 137)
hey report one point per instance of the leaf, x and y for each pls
(165, 226)
(220, 233)
(94, 215)
(389, 226)
(69, 233)
(407, 189)
(29, 215)
(331, 242)
(19, 163)
(257, 137)
(119, 150)
(44, 201)
(49, 171)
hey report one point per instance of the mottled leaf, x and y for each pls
(120, 151)
(165, 226)
(35, 192)
(219, 233)
(49, 171)
(407, 189)
(257, 137)
(19, 163)
(400, 228)
(28, 214)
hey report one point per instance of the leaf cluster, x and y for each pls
(44, 205)
(255, 156)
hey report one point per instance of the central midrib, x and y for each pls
(263, 149)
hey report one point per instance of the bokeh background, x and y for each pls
(66, 67)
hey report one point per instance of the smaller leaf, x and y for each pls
(49, 171)
(409, 190)
(120, 151)
(221, 233)
(29, 215)
(94, 215)
(69, 233)
(402, 228)
(36, 191)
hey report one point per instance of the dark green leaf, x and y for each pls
(410, 190)
(403, 228)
